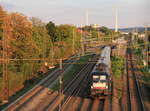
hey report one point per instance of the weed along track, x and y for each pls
(134, 100)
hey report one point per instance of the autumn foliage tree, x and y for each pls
(17, 44)
(52, 31)
(21, 35)
(2, 16)
(27, 44)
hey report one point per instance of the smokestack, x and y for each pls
(87, 17)
(116, 22)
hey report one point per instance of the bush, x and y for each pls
(146, 77)
(117, 65)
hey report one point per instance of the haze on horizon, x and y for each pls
(132, 13)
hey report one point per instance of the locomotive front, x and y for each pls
(100, 84)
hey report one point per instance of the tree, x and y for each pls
(36, 22)
(42, 41)
(105, 30)
(2, 16)
(52, 31)
(21, 25)
(65, 31)
(5, 30)
(94, 34)
(87, 28)
(21, 34)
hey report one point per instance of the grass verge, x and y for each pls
(117, 65)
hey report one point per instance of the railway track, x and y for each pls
(37, 90)
(77, 92)
(75, 96)
(70, 90)
(47, 101)
(77, 100)
(134, 99)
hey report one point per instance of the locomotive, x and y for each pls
(100, 75)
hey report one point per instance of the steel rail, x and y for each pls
(76, 92)
(68, 86)
(137, 86)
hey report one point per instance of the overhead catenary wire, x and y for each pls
(5, 60)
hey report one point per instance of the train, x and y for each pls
(100, 75)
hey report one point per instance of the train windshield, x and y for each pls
(101, 78)
(96, 78)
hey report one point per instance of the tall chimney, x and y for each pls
(87, 17)
(116, 22)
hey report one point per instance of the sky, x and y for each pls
(131, 13)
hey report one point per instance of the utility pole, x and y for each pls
(136, 41)
(60, 84)
(116, 21)
(52, 52)
(97, 33)
(111, 37)
(91, 37)
(81, 40)
(146, 44)
(73, 42)
(5, 62)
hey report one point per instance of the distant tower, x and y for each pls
(116, 22)
(87, 17)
